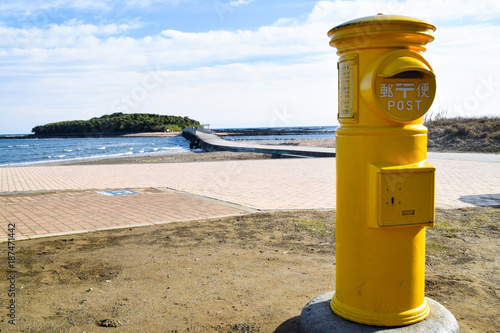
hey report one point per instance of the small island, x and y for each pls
(116, 124)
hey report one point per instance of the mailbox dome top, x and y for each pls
(381, 19)
(382, 31)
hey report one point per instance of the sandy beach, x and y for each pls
(199, 156)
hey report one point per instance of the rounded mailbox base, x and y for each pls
(317, 317)
(377, 318)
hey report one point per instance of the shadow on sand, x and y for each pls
(292, 325)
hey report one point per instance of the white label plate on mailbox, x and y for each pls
(348, 89)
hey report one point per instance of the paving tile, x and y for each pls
(75, 210)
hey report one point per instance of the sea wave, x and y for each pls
(58, 159)
(49, 151)
(55, 156)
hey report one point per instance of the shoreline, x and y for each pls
(188, 157)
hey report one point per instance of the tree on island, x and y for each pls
(118, 123)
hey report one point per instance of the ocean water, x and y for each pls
(18, 152)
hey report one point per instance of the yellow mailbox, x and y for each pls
(385, 186)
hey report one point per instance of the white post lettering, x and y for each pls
(391, 104)
(418, 104)
(401, 105)
(405, 87)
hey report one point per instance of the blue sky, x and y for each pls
(230, 63)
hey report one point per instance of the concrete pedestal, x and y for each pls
(317, 317)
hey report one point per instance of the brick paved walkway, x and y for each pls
(259, 184)
(43, 200)
(54, 213)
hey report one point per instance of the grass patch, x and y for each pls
(452, 224)
(318, 227)
(447, 229)
(466, 221)
(435, 248)
(463, 134)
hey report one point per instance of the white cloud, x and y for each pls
(243, 45)
(239, 3)
(70, 34)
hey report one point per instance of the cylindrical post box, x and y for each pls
(385, 186)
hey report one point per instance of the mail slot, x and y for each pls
(404, 86)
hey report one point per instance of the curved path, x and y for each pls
(212, 142)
